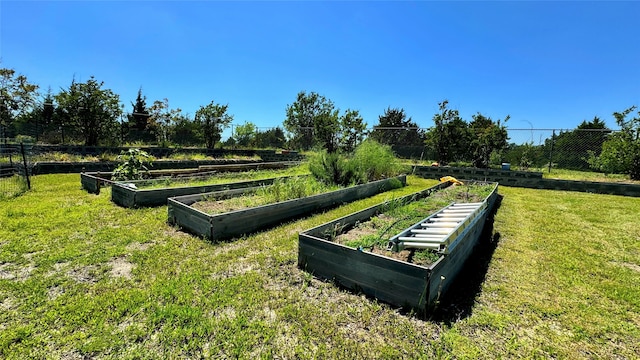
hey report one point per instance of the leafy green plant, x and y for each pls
(133, 166)
(621, 150)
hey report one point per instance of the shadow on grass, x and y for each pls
(457, 303)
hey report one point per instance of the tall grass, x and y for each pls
(369, 162)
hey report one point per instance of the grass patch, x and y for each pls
(564, 174)
(562, 283)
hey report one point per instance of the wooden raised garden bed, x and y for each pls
(389, 278)
(239, 222)
(125, 195)
(93, 181)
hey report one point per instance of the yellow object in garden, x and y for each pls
(452, 179)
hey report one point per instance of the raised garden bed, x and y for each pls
(93, 181)
(124, 194)
(404, 280)
(243, 221)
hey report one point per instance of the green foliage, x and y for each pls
(162, 119)
(138, 126)
(487, 137)
(621, 150)
(450, 136)
(133, 166)
(526, 158)
(370, 161)
(185, 132)
(17, 97)
(454, 140)
(570, 148)
(245, 134)
(313, 120)
(334, 168)
(527, 155)
(353, 130)
(91, 110)
(376, 161)
(272, 138)
(291, 188)
(395, 129)
(212, 120)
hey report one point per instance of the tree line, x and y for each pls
(88, 113)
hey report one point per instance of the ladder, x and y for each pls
(440, 231)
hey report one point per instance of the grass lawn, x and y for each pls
(565, 174)
(82, 277)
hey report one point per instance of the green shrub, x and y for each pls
(133, 167)
(376, 161)
(370, 161)
(334, 168)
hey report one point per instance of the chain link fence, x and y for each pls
(527, 149)
(554, 148)
(15, 168)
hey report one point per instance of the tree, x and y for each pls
(570, 148)
(310, 120)
(272, 138)
(17, 97)
(621, 150)
(161, 120)
(212, 120)
(395, 129)
(185, 131)
(487, 136)
(138, 120)
(244, 135)
(449, 137)
(91, 110)
(353, 130)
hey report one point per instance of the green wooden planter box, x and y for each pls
(124, 195)
(236, 223)
(93, 181)
(389, 280)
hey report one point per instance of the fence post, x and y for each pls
(26, 168)
(553, 136)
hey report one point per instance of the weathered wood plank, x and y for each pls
(387, 280)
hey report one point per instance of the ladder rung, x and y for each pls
(440, 224)
(432, 231)
(431, 237)
(417, 245)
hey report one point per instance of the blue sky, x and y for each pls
(547, 64)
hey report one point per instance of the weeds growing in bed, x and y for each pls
(373, 235)
(369, 162)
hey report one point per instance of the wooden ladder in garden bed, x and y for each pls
(440, 231)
